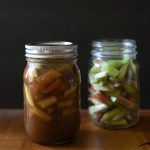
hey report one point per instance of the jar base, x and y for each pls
(118, 127)
(53, 143)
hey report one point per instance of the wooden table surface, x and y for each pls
(91, 137)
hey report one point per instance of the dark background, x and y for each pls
(80, 21)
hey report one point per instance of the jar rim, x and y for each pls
(114, 42)
(51, 49)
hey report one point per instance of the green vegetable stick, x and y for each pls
(122, 122)
(95, 70)
(133, 67)
(101, 88)
(121, 115)
(114, 92)
(115, 63)
(101, 75)
(28, 96)
(47, 102)
(97, 108)
(41, 114)
(112, 71)
(123, 72)
(110, 114)
(130, 89)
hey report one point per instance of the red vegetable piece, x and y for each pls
(91, 89)
(35, 89)
(94, 100)
(52, 87)
(101, 97)
(124, 101)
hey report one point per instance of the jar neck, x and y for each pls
(114, 49)
(50, 60)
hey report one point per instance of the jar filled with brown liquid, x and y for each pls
(52, 92)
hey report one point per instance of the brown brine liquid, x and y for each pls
(52, 102)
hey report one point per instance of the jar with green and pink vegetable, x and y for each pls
(113, 84)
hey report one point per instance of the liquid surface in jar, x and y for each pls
(113, 93)
(52, 96)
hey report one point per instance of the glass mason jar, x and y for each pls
(52, 92)
(113, 84)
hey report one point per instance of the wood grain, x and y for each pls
(91, 137)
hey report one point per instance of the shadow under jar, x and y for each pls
(113, 84)
(52, 92)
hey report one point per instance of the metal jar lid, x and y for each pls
(54, 49)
